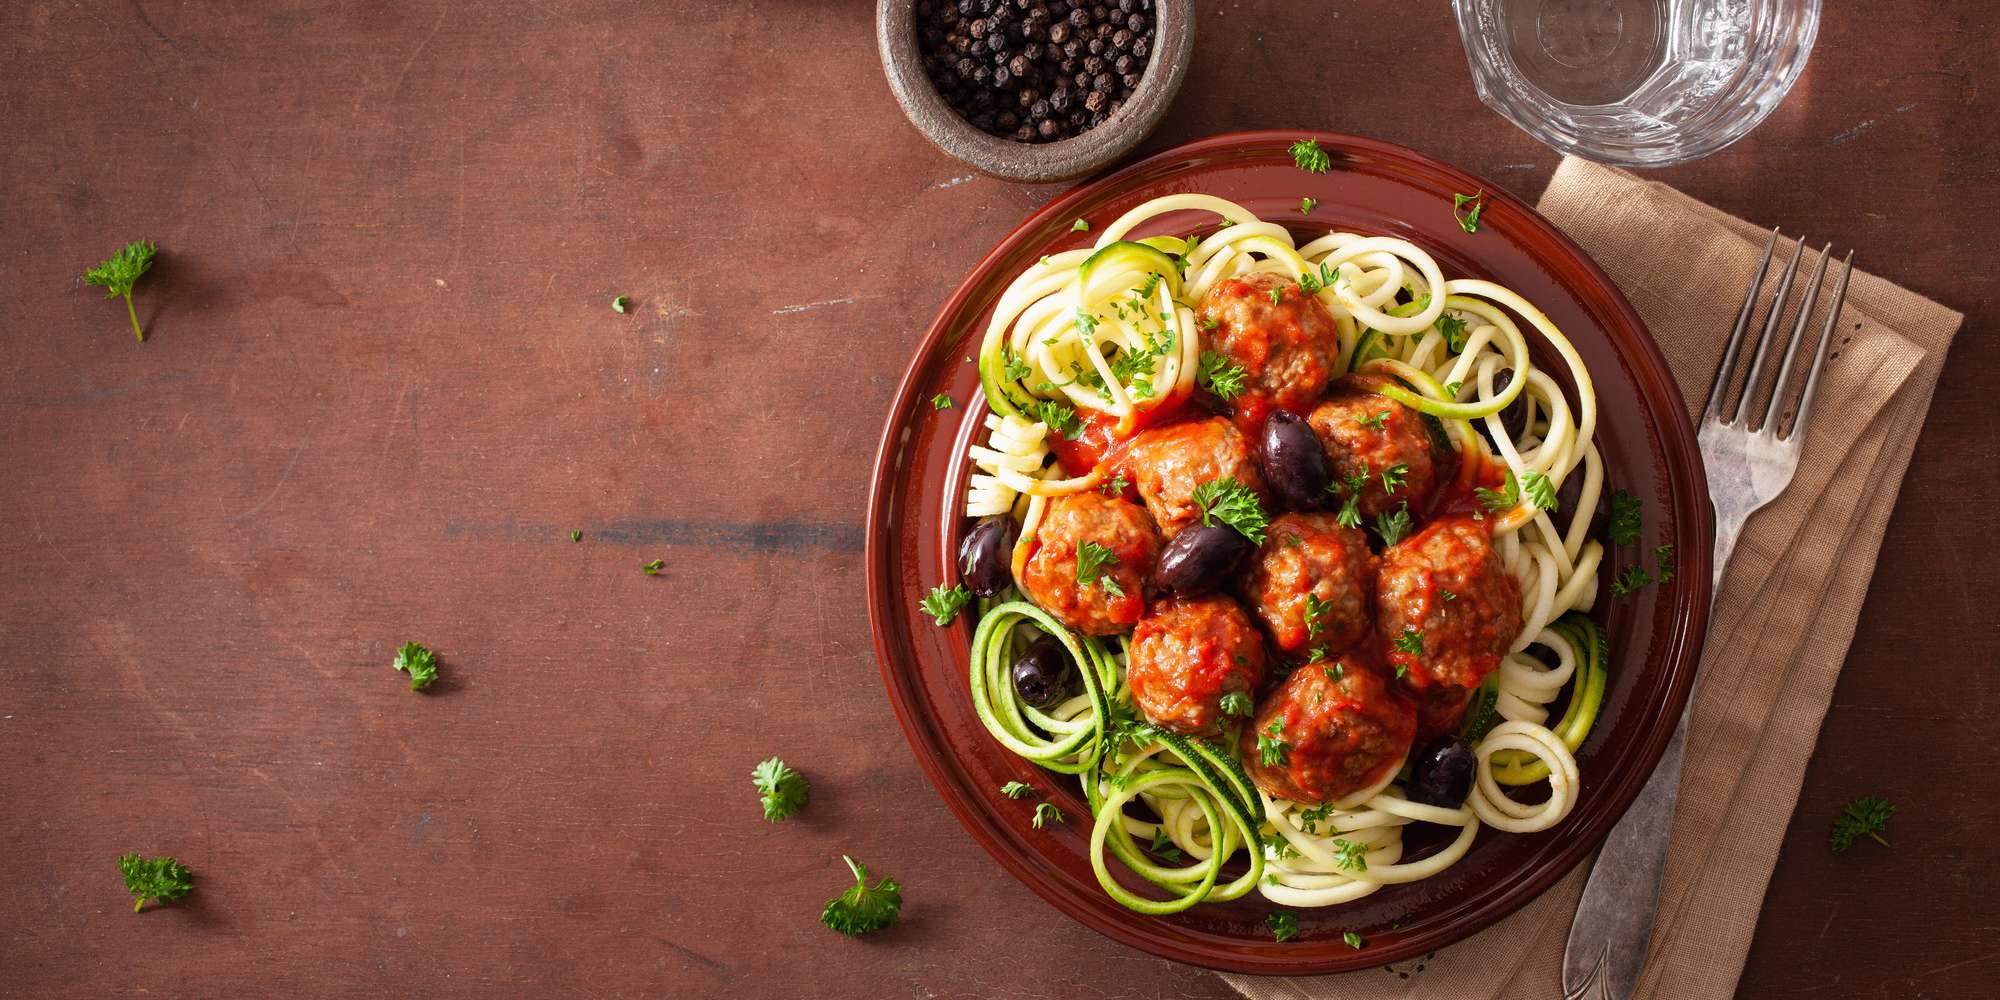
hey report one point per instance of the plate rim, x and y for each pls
(1679, 655)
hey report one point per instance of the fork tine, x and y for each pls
(1770, 333)
(1799, 424)
(1782, 389)
(1725, 367)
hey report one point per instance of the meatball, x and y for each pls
(1167, 463)
(1330, 730)
(1369, 435)
(1187, 655)
(1312, 555)
(1447, 608)
(1287, 346)
(1107, 599)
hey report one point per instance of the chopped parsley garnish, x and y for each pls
(1453, 329)
(1866, 816)
(1466, 208)
(653, 568)
(1393, 526)
(1111, 586)
(1079, 226)
(1059, 416)
(1316, 610)
(1115, 487)
(1631, 580)
(1307, 155)
(1278, 295)
(1312, 818)
(1539, 488)
(1350, 511)
(783, 790)
(1016, 790)
(1284, 925)
(1627, 513)
(1091, 560)
(120, 272)
(1238, 703)
(1272, 750)
(1663, 557)
(1451, 389)
(1335, 672)
(1221, 376)
(1045, 813)
(1234, 504)
(621, 304)
(940, 402)
(945, 602)
(1350, 855)
(1411, 642)
(1326, 277)
(420, 663)
(1378, 420)
(1447, 595)
(1086, 322)
(863, 908)
(1306, 205)
(1353, 940)
(164, 879)
(1315, 654)
(576, 535)
(1392, 477)
(1163, 845)
(1012, 368)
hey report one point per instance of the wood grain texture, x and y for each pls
(383, 382)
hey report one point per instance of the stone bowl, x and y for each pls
(1166, 69)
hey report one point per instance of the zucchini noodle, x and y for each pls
(1099, 336)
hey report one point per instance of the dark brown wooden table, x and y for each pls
(384, 382)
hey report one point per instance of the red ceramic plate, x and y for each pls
(1643, 433)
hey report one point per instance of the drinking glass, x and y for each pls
(1641, 83)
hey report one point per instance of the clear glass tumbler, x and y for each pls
(1640, 83)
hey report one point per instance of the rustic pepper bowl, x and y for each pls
(1166, 69)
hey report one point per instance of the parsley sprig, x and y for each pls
(1533, 484)
(420, 663)
(1627, 512)
(164, 879)
(1350, 855)
(1045, 813)
(1059, 416)
(120, 272)
(1307, 156)
(863, 908)
(783, 790)
(1221, 376)
(945, 602)
(1284, 925)
(1272, 749)
(1238, 703)
(1466, 208)
(1393, 526)
(1866, 816)
(1234, 504)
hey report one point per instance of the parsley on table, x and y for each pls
(1234, 504)
(1091, 560)
(164, 879)
(1306, 205)
(1060, 417)
(1631, 580)
(1411, 641)
(576, 535)
(945, 602)
(1663, 557)
(1863, 817)
(1079, 226)
(1468, 218)
(653, 568)
(1163, 845)
(1221, 376)
(1307, 156)
(1272, 750)
(1046, 812)
(1017, 789)
(1353, 940)
(120, 272)
(1393, 526)
(1238, 703)
(621, 304)
(420, 663)
(1626, 517)
(863, 908)
(783, 790)
(1284, 925)
(1350, 855)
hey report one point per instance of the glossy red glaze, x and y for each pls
(1649, 449)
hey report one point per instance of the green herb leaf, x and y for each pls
(1060, 417)
(621, 304)
(1453, 329)
(1221, 376)
(1627, 515)
(1272, 750)
(1451, 389)
(1312, 818)
(576, 535)
(1016, 790)
(1631, 580)
(1380, 421)
(1163, 846)
(1079, 226)
(1504, 499)
(863, 908)
(1350, 511)
(120, 272)
(945, 603)
(1306, 205)
(1663, 557)
(1238, 703)
(1353, 940)
(1411, 641)
(1116, 487)
(1091, 560)
(419, 662)
(1866, 816)
(1393, 526)
(1086, 322)
(1350, 855)
(1234, 504)
(1392, 477)
(653, 568)
(1539, 489)
(164, 879)
(1045, 813)
(940, 402)
(1466, 208)
(1284, 925)
(1278, 295)
(1307, 155)
(1013, 369)
(783, 789)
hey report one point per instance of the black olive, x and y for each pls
(1208, 402)
(1043, 673)
(1442, 775)
(1200, 559)
(1295, 463)
(984, 556)
(1515, 417)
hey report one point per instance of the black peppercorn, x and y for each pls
(1034, 70)
(1047, 129)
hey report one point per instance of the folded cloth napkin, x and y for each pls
(1783, 619)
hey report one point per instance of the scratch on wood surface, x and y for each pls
(1852, 134)
(804, 306)
(397, 87)
(952, 183)
(93, 395)
(787, 536)
(282, 476)
(1959, 965)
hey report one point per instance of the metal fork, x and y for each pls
(1747, 468)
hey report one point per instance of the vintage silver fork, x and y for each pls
(1747, 468)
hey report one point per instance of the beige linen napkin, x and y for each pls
(1783, 619)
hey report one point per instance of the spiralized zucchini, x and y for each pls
(1101, 335)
